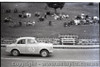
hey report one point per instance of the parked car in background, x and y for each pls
(28, 45)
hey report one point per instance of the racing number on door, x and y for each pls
(31, 49)
(31, 42)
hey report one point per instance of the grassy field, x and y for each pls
(42, 29)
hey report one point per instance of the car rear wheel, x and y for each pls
(15, 52)
(44, 53)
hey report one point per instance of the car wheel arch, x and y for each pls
(44, 49)
(15, 49)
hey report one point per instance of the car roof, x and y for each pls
(25, 38)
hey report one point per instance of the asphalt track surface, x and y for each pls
(63, 57)
(60, 54)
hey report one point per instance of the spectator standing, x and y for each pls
(15, 10)
(20, 23)
(45, 16)
(33, 23)
(50, 23)
(65, 24)
(8, 11)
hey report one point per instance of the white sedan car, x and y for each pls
(28, 45)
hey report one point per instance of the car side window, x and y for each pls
(30, 41)
(21, 41)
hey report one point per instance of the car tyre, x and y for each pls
(44, 53)
(14, 52)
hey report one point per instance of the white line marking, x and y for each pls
(47, 59)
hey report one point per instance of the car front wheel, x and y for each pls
(15, 52)
(44, 53)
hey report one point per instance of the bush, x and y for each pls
(91, 4)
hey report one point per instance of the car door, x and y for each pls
(20, 45)
(32, 46)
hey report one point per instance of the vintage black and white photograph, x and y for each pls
(50, 34)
